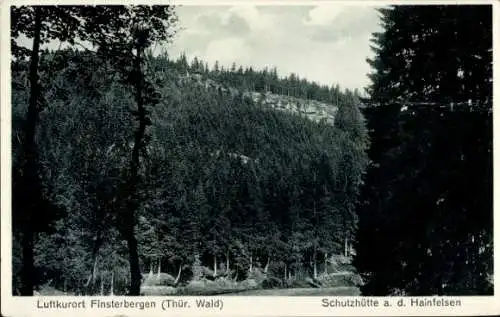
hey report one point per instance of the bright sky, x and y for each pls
(328, 43)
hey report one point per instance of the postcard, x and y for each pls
(248, 158)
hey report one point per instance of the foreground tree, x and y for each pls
(105, 27)
(146, 25)
(83, 161)
(41, 24)
(423, 228)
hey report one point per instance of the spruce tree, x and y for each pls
(430, 95)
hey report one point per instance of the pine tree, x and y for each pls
(413, 235)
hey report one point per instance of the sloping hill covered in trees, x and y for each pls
(310, 108)
(230, 187)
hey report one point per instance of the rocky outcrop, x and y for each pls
(312, 109)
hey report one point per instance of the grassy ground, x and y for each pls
(336, 291)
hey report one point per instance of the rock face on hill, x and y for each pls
(314, 110)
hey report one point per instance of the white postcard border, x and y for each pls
(232, 306)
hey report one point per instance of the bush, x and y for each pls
(249, 284)
(276, 268)
(297, 283)
(313, 282)
(224, 282)
(336, 280)
(354, 280)
(206, 272)
(164, 279)
(272, 282)
(339, 263)
(257, 274)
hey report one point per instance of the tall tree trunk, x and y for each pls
(112, 293)
(227, 262)
(286, 272)
(267, 265)
(346, 211)
(91, 280)
(159, 268)
(151, 269)
(215, 265)
(315, 265)
(251, 264)
(129, 217)
(326, 263)
(178, 275)
(135, 272)
(345, 245)
(102, 285)
(316, 238)
(30, 181)
(95, 252)
(27, 271)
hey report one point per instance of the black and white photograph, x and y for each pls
(249, 149)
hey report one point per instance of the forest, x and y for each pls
(127, 180)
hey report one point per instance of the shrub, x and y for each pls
(272, 282)
(276, 268)
(224, 282)
(206, 272)
(257, 274)
(313, 282)
(298, 283)
(339, 263)
(249, 284)
(354, 280)
(336, 280)
(163, 279)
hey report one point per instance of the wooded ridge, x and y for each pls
(266, 205)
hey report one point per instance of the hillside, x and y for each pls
(312, 109)
(239, 189)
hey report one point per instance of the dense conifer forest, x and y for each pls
(226, 184)
(129, 179)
